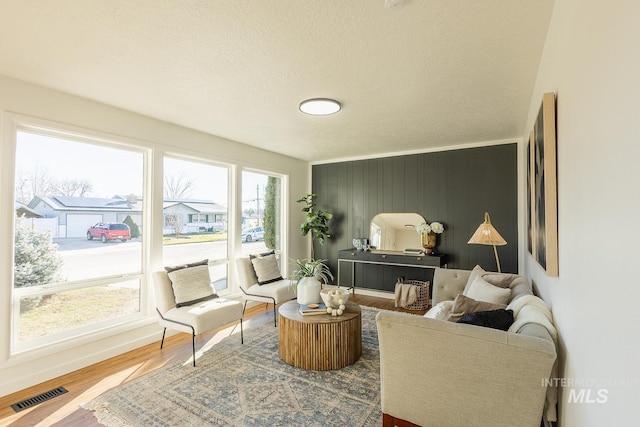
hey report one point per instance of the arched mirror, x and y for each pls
(395, 231)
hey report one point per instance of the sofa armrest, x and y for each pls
(440, 373)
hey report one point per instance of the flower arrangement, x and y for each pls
(434, 227)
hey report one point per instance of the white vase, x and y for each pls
(308, 291)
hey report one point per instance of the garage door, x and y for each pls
(77, 224)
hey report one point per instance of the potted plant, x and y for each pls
(307, 275)
(316, 221)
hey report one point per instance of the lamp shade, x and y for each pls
(486, 234)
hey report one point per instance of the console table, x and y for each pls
(379, 270)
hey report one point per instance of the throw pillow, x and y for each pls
(193, 264)
(251, 256)
(191, 285)
(497, 319)
(502, 280)
(266, 268)
(463, 305)
(440, 311)
(476, 272)
(482, 290)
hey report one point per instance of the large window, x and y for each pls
(78, 226)
(195, 211)
(261, 212)
(81, 251)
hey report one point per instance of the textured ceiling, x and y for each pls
(429, 73)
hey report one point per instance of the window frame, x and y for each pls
(282, 252)
(153, 157)
(18, 123)
(207, 161)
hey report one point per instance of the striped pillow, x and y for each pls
(266, 268)
(191, 285)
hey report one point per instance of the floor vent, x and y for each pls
(35, 400)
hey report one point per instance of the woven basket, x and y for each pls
(422, 303)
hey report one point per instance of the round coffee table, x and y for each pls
(319, 342)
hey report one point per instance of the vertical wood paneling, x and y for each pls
(411, 188)
(454, 187)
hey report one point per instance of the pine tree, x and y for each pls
(135, 230)
(36, 260)
(269, 218)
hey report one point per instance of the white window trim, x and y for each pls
(153, 157)
(284, 182)
(10, 351)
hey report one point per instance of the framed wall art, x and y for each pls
(542, 188)
(530, 201)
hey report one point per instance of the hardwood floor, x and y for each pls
(87, 383)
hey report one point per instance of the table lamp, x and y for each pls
(486, 234)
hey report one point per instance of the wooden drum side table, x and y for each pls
(319, 342)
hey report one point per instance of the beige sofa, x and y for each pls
(441, 373)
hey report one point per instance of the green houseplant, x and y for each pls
(316, 221)
(307, 276)
(312, 268)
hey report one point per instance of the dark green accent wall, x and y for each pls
(453, 187)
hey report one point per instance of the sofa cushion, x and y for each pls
(266, 268)
(463, 305)
(497, 319)
(191, 285)
(440, 311)
(502, 280)
(482, 290)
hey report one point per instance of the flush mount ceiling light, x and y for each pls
(320, 106)
(390, 4)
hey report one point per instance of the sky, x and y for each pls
(114, 171)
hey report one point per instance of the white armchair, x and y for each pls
(271, 293)
(196, 318)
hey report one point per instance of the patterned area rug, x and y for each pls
(249, 385)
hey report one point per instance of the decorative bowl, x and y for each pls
(332, 297)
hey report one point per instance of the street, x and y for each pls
(84, 259)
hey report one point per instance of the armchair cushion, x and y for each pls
(191, 285)
(280, 290)
(203, 316)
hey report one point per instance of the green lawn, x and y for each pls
(194, 238)
(66, 310)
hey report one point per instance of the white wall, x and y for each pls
(592, 62)
(30, 100)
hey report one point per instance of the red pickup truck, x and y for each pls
(109, 231)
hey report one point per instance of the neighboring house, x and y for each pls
(37, 220)
(193, 216)
(76, 214)
(24, 211)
